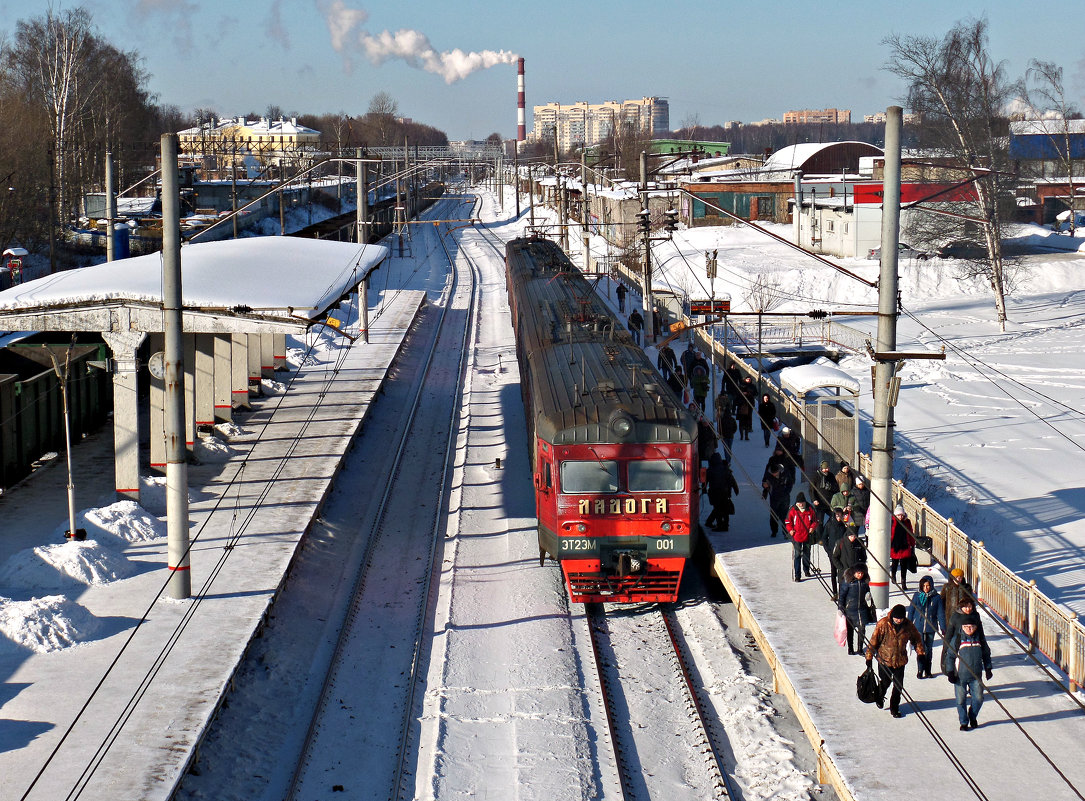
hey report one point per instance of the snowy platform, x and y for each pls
(133, 736)
(872, 755)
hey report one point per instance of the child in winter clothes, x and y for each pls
(929, 616)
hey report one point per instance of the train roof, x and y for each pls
(585, 374)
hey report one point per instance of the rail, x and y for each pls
(1045, 626)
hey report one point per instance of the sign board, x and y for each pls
(705, 307)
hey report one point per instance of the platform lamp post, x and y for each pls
(180, 583)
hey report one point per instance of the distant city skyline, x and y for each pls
(452, 65)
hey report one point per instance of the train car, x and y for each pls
(614, 454)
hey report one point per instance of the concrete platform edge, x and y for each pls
(194, 751)
(828, 772)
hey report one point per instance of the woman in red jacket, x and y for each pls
(901, 547)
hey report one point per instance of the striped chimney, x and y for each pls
(521, 124)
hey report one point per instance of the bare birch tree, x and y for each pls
(1043, 86)
(961, 94)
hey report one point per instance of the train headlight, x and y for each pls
(581, 527)
(666, 527)
(621, 424)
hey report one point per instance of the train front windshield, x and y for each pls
(592, 476)
(641, 475)
(655, 475)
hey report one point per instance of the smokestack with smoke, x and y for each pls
(521, 124)
(412, 47)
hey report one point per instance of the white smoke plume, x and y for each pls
(412, 47)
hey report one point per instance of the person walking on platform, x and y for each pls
(965, 613)
(966, 655)
(636, 323)
(857, 604)
(746, 401)
(766, 410)
(792, 445)
(901, 547)
(823, 487)
(666, 361)
(699, 383)
(841, 498)
(721, 482)
(657, 324)
(689, 358)
(677, 382)
(621, 292)
(727, 426)
(706, 439)
(845, 475)
(860, 500)
(889, 643)
(850, 551)
(802, 525)
(774, 487)
(929, 616)
(954, 590)
(732, 382)
(832, 533)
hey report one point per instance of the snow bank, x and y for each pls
(64, 566)
(212, 450)
(44, 624)
(123, 522)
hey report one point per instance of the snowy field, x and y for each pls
(991, 436)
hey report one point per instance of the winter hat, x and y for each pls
(859, 480)
(785, 430)
(845, 487)
(957, 573)
(898, 611)
(899, 510)
(801, 498)
(824, 465)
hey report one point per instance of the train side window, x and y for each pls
(546, 475)
(655, 475)
(592, 476)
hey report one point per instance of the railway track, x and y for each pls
(665, 744)
(383, 632)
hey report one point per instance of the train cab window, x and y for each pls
(655, 475)
(593, 476)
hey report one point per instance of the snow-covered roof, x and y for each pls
(256, 283)
(819, 375)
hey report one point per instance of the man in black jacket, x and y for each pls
(824, 486)
(721, 482)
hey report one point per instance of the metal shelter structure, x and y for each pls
(240, 299)
(826, 404)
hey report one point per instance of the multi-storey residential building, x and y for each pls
(827, 115)
(586, 124)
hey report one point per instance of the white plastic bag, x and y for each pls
(840, 629)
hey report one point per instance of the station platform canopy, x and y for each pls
(807, 378)
(270, 284)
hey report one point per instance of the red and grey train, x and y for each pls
(614, 454)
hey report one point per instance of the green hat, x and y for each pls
(824, 465)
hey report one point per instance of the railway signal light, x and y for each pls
(670, 220)
(644, 221)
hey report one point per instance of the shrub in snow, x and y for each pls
(44, 624)
(63, 566)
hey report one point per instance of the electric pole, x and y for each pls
(180, 583)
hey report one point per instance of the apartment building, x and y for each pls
(826, 115)
(585, 124)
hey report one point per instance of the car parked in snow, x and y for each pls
(962, 250)
(904, 251)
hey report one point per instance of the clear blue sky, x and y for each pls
(717, 60)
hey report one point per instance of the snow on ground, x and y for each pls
(992, 436)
